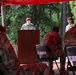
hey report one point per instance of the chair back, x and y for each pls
(71, 53)
(41, 50)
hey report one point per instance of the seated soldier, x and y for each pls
(70, 38)
(9, 61)
(54, 42)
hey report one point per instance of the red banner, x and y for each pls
(24, 2)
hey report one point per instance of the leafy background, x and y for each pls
(44, 17)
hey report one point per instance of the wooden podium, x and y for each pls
(27, 39)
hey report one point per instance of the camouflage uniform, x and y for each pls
(28, 27)
(54, 42)
(9, 62)
(69, 26)
(5, 43)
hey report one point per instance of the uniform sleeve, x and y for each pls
(8, 46)
(59, 43)
(67, 28)
(45, 39)
(22, 28)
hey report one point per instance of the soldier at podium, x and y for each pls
(28, 25)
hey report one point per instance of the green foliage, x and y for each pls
(43, 16)
(73, 8)
(14, 18)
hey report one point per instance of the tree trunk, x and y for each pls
(50, 10)
(63, 20)
(34, 14)
(69, 11)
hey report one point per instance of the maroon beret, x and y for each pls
(28, 19)
(70, 18)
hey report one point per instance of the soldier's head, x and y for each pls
(56, 29)
(69, 20)
(28, 20)
(3, 29)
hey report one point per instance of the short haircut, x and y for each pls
(56, 29)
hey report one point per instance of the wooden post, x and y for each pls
(2, 14)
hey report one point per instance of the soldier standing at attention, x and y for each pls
(70, 24)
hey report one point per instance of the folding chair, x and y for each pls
(42, 49)
(71, 56)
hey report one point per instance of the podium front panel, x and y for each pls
(27, 39)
